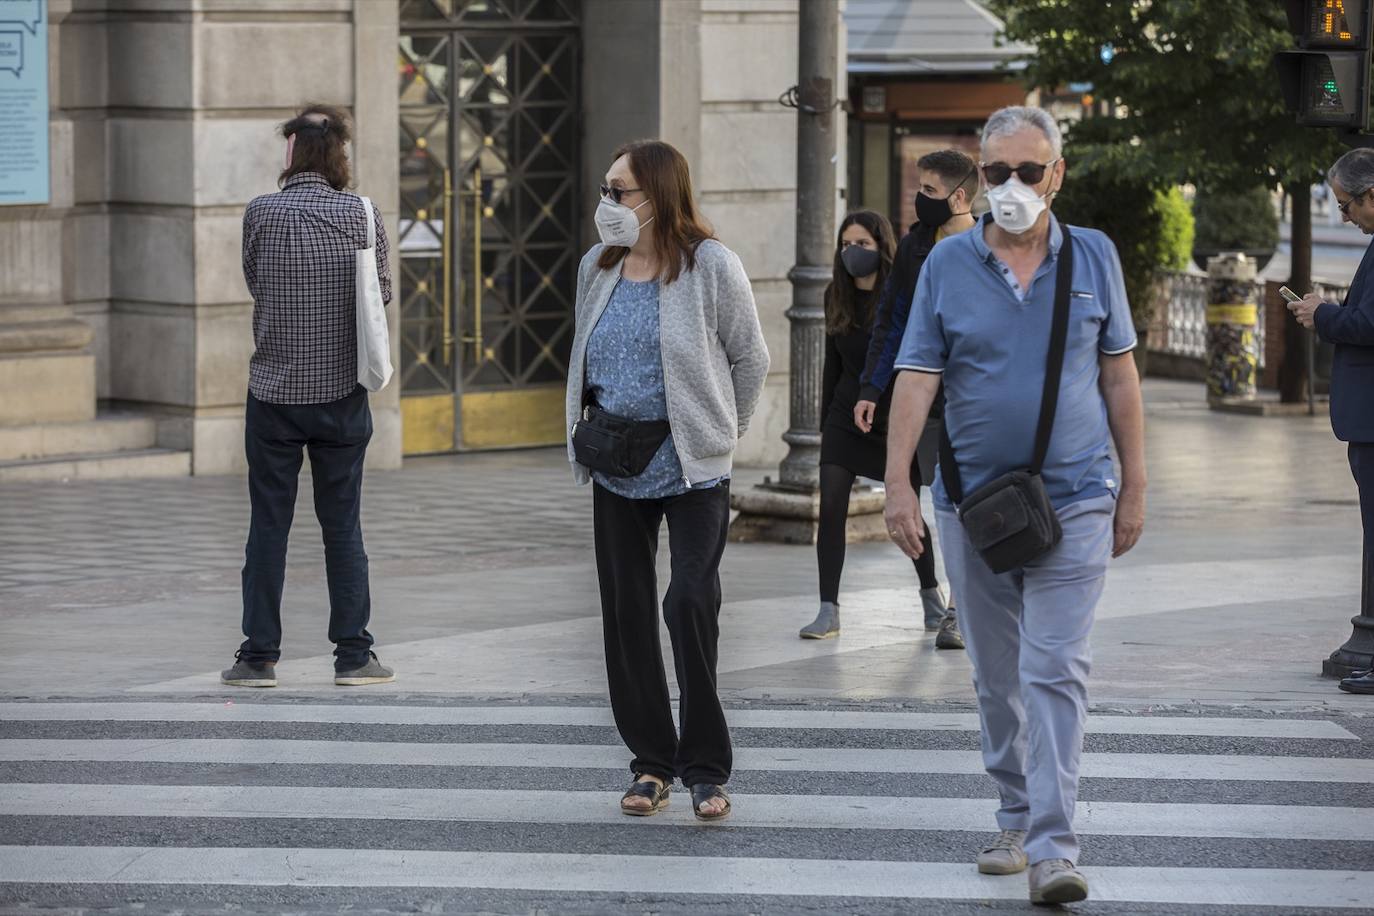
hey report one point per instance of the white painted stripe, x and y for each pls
(601, 716)
(590, 756)
(1295, 822)
(287, 867)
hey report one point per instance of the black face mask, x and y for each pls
(936, 211)
(933, 211)
(860, 262)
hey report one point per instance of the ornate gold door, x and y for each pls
(488, 247)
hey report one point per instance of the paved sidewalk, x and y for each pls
(484, 585)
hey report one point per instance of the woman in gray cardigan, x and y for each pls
(667, 364)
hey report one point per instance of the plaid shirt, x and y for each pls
(298, 260)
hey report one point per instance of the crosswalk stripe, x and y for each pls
(297, 867)
(587, 756)
(1295, 822)
(1220, 727)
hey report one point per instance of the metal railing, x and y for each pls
(1182, 303)
(1183, 300)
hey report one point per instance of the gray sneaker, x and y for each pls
(933, 604)
(1004, 855)
(826, 625)
(949, 636)
(245, 675)
(374, 672)
(1057, 881)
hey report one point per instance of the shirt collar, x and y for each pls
(980, 244)
(300, 179)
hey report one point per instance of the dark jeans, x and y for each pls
(336, 435)
(626, 547)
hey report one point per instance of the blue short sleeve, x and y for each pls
(1118, 331)
(923, 343)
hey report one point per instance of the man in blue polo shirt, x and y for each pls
(981, 321)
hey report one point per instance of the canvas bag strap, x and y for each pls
(371, 226)
(1054, 370)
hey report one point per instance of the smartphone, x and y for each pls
(1289, 295)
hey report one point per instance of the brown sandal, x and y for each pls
(643, 788)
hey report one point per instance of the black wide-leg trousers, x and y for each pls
(626, 534)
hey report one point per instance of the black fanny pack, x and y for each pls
(616, 446)
(1010, 520)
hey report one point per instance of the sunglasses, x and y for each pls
(1030, 173)
(1345, 207)
(615, 194)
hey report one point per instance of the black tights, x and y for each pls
(836, 483)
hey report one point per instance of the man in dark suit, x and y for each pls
(1350, 327)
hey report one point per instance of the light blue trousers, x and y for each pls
(1027, 636)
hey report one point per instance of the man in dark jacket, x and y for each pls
(949, 181)
(1350, 326)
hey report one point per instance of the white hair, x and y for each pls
(1354, 171)
(1015, 118)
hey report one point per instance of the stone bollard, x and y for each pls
(1232, 326)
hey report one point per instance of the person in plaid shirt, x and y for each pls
(303, 394)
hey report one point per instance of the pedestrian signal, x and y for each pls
(1326, 80)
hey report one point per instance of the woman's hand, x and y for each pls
(863, 415)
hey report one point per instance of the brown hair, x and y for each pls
(842, 297)
(322, 135)
(662, 172)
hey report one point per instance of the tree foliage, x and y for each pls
(1201, 100)
(1236, 221)
(1151, 228)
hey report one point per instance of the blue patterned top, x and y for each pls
(625, 376)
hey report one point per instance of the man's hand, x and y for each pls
(1305, 309)
(903, 515)
(1130, 520)
(863, 415)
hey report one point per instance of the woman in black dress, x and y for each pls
(863, 259)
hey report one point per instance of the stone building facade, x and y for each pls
(482, 130)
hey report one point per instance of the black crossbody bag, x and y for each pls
(1010, 520)
(615, 445)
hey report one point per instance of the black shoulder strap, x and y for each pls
(1054, 370)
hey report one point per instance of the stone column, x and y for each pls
(197, 91)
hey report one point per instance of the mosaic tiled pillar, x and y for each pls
(1232, 325)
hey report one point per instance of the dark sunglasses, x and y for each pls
(615, 194)
(1030, 173)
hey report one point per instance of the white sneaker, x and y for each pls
(1057, 881)
(1005, 855)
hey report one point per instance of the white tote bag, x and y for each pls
(374, 345)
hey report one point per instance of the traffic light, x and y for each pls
(1326, 81)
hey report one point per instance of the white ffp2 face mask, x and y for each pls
(1015, 206)
(617, 224)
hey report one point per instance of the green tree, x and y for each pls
(1198, 99)
(1236, 221)
(1151, 228)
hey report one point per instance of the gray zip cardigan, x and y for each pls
(714, 357)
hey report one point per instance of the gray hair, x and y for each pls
(1015, 118)
(1354, 171)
